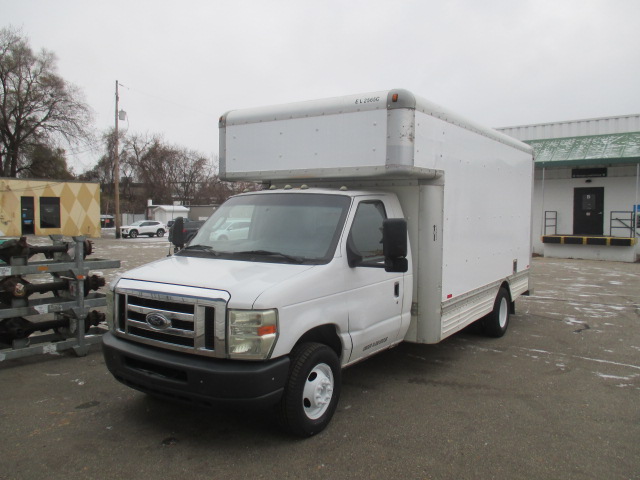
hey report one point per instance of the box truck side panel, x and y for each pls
(487, 204)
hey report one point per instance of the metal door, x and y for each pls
(588, 209)
(27, 214)
(375, 296)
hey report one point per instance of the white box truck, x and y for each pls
(383, 218)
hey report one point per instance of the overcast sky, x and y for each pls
(183, 64)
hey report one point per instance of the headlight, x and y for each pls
(252, 333)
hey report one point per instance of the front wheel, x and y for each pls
(495, 324)
(312, 391)
(160, 232)
(133, 233)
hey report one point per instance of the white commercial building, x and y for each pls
(586, 192)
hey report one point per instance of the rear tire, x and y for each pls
(496, 323)
(312, 391)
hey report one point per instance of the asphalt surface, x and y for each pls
(557, 398)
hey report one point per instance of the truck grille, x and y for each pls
(186, 323)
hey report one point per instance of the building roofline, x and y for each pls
(566, 122)
(48, 180)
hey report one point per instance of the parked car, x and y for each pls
(189, 228)
(143, 227)
(232, 229)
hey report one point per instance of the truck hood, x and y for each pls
(244, 281)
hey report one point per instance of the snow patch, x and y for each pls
(612, 377)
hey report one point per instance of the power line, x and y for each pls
(93, 148)
(165, 100)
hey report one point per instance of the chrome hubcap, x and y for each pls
(503, 313)
(318, 390)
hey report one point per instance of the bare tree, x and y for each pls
(45, 162)
(215, 191)
(192, 171)
(156, 169)
(37, 106)
(104, 171)
(151, 169)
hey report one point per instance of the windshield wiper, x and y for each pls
(273, 254)
(205, 248)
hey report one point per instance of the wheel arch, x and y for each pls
(326, 334)
(512, 304)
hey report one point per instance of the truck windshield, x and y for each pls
(274, 227)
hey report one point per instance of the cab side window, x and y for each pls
(366, 231)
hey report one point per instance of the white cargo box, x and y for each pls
(388, 134)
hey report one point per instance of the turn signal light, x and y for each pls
(266, 330)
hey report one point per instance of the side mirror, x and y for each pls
(177, 233)
(394, 245)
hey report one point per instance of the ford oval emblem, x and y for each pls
(158, 321)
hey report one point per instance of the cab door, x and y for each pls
(374, 295)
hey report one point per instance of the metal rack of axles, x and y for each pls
(74, 325)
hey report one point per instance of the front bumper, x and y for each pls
(193, 379)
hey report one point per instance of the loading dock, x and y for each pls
(586, 188)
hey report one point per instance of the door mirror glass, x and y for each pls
(395, 245)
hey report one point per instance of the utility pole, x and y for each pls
(116, 171)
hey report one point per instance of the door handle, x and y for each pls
(396, 289)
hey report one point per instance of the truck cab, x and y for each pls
(306, 273)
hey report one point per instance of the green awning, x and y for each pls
(588, 150)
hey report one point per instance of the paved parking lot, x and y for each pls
(557, 397)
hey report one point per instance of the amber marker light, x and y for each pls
(266, 330)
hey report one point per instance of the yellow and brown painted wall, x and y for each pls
(47, 207)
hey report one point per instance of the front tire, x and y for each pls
(160, 233)
(496, 323)
(133, 233)
(312, 391)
